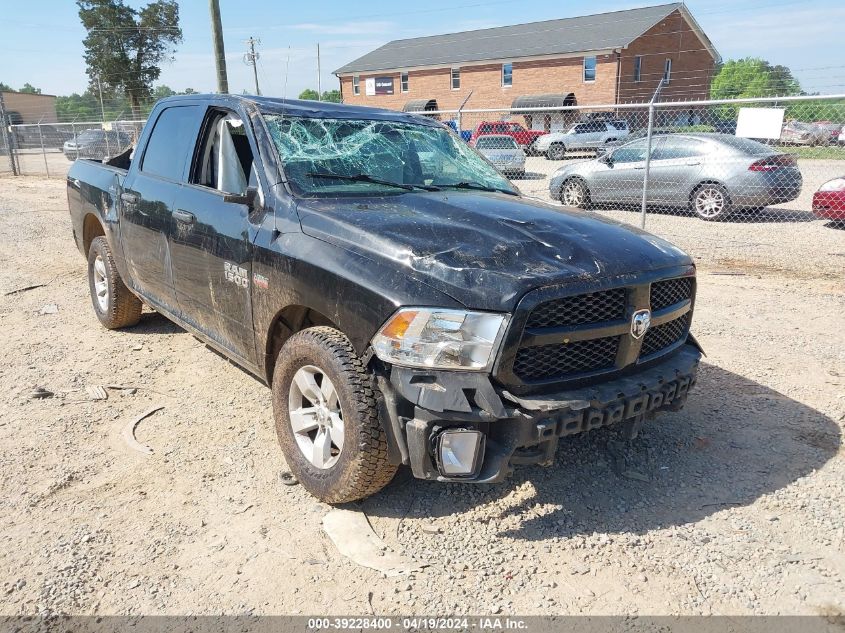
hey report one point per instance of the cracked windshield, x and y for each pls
(331, 157)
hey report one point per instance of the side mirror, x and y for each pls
(605, 157)
(248, 198)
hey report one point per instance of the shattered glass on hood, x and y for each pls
(313, 150)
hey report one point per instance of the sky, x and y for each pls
(41, 40)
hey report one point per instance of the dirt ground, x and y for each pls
(735, 505)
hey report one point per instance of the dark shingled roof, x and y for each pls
(550, 37)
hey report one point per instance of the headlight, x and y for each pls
(833, 185)
(440, 338)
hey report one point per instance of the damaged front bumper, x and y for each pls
(420, 408)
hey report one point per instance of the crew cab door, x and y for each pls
(622, 182)
(146, 202)
(210, 245)
(675, 168)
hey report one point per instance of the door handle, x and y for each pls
(129, 198)
(184, 216)
(692, 164)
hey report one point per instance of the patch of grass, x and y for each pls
(829, 151)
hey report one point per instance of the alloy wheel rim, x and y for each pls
(709, 202)
(573, 194)
(316, 417)
(101, 284)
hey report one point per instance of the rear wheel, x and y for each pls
(710, 201)
(326, 418)
(114, 304)
(557, 151)
(574, 193)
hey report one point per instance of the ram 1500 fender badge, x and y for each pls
(640, 321)
(236, 274)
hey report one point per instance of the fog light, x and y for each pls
(460, 452)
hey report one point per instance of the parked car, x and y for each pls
(841, 136)
(712, 174)
(503, 152)
(581, 136)
(829, 200)
(799, 133)
(97, 144)
(436, 319)
(833, 130)
(524, 138)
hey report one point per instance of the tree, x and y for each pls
(5, 87)
(125, 46)
(30, 89)
(332, 96)
(752, 77)
(310, 94)
(162, 91)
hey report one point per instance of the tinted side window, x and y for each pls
(673, 148)
(171, 142)
(582, 128)
(630, 153)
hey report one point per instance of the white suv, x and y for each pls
(585, 135)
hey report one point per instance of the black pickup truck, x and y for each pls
(404, 301)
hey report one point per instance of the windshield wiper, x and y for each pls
(372, 179)
(472, 185)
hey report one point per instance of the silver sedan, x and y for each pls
(711, 174)
(503, 152)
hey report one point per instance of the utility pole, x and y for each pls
(100, 89)
(251, 59)
(219, 52)
(319, 89)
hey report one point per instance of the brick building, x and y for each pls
(27, 107)
(609, 58)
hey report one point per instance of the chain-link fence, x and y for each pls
(48, 149)
(756, 182)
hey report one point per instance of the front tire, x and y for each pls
(574, 193)
(710, 202)
(327, 419)
(557, 151)
(114, 304)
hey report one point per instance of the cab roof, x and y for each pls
(304, 108)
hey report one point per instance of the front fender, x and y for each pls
(357, 294)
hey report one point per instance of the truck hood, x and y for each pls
(485, 249)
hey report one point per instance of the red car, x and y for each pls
(829, 200)
(523, 137)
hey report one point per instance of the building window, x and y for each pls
(667, 71)
(356, 85)
(456, 79)
(507, 75)
(590, 68)
(403, 81)
(638, 67)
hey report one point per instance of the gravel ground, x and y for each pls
(735, 505)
